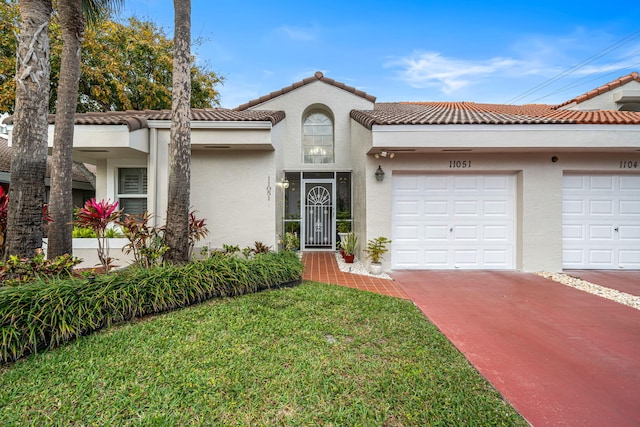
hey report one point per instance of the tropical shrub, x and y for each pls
(16, 271)
(45, 314)
(376, 248)
(87, 232)
(291, 241)
(145, 242)
(99, 216)
(343, 221)
(113, 233)
(257, 249)
(292, 223)
(230, 249)
(197, 230)
(83, 233)
(260, 248)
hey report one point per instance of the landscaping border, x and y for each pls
(45, 314)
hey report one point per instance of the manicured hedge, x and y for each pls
(45, 314)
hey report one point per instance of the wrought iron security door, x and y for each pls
(319, 216)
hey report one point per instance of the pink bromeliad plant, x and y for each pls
(98, 216)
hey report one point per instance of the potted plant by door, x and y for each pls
(343, 224)
(375, 249)
(349, 245)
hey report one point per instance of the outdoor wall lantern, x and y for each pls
(285, 183)
(379, 174)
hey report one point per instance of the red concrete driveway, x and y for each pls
(560, 356)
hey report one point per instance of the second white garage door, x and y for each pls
(453, 221)
(601, 221)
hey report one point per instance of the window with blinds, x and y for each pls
(132, 190)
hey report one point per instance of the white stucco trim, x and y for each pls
(502, 128)
(152, 176)
(506, 137)
(202, 124)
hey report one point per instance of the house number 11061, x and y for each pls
(459, 164)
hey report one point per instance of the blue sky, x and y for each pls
(482, 51)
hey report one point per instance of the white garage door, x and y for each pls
(601, 221)
(453, 221)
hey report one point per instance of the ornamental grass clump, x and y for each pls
(44, 314)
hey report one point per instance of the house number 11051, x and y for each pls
(459, 164)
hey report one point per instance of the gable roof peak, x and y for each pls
(318, 76)
(620, 81)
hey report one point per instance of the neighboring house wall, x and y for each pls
(610, 100)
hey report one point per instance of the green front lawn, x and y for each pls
(311, 355)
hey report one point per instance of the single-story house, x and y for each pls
(454, 185)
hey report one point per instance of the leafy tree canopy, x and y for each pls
(125, 66)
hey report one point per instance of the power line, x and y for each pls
(576, 67)
(582, 80)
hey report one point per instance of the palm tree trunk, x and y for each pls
(29, 154)
(61, 200)
(177, 228)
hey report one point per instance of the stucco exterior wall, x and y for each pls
(296, 103)
(101, 179)
(229, 189)
(278, 141)
(361, 186)
(538, 198)
(87, 250)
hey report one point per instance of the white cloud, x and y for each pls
(431, 69)
(565, 60)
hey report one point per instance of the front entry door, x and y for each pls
(318, 215)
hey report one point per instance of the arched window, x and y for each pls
(317, 138)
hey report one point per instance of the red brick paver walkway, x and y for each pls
(322, 267)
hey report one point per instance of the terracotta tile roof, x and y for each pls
(5, 163)
(317, 76)
(603, 89)
(224, 114)
(460, 113)
(135, 120)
